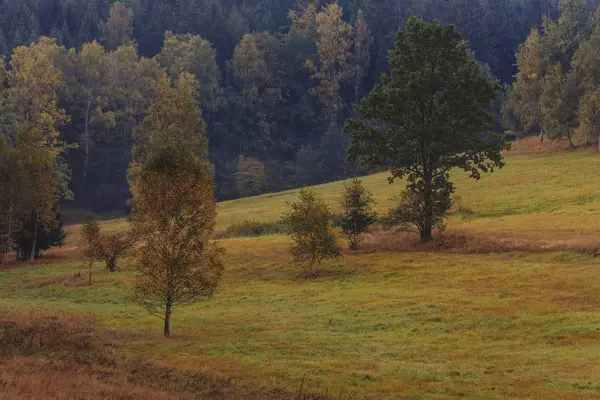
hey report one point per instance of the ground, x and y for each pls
(505, 307)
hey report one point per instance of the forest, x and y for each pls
(267, 110)
(276, 82)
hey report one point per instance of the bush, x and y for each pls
(309, 223)
(112, 247)
(252, 229)
(410, 215)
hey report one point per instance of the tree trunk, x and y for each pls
(87, 148)
(357, 84)
(167, 329)
(90, 277)
(9, 230)
(426, 232)
(599, 144)
(571, 145)
(35, 229)
(112, 264)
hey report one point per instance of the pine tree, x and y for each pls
(358, 213)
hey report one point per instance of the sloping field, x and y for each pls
(520, 320)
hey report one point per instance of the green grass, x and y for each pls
(385, 325)
(541, 196)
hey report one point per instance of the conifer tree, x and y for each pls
(357, 211)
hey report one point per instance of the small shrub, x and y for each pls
(309, 223)
(252, 229)
(112, 247)
(410, 213)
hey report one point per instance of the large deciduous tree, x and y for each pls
(34, 82)
(430, 115)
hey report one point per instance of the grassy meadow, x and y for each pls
(506, 308)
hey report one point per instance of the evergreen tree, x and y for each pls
(357, 211)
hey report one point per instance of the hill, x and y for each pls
(538, 196)
(507, 308)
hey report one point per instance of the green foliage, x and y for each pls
(249, 228)
(357, 211)
(250, 176)
(410, 214)
(559, 101)
(193, 54)
(309, 223)
(31, 240)
(431, 115)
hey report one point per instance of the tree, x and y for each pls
(10, 206)
(430, 115)
(173, 207)
(172, 219)
(175, 117)
(90, 232)
(589, 115)
(93, 87)
(34, 82)
(112, 247)
(193, 54)
(308, 221)
(250, 176)
(525, 93)
(362, 48)
(358, 213)
(334, 67)
(259, 72)
(410, 214)
(559, 102)
(119, 27)
(30, 240)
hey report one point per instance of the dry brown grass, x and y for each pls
(40, 378)
(464, 242)
(69, 357)
(534, 145)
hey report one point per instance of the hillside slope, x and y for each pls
(547, 196)
(515, 320)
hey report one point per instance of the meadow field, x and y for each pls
(505, 305)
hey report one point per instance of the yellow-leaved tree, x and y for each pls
(173, 208)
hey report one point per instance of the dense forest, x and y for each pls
(277, 78)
